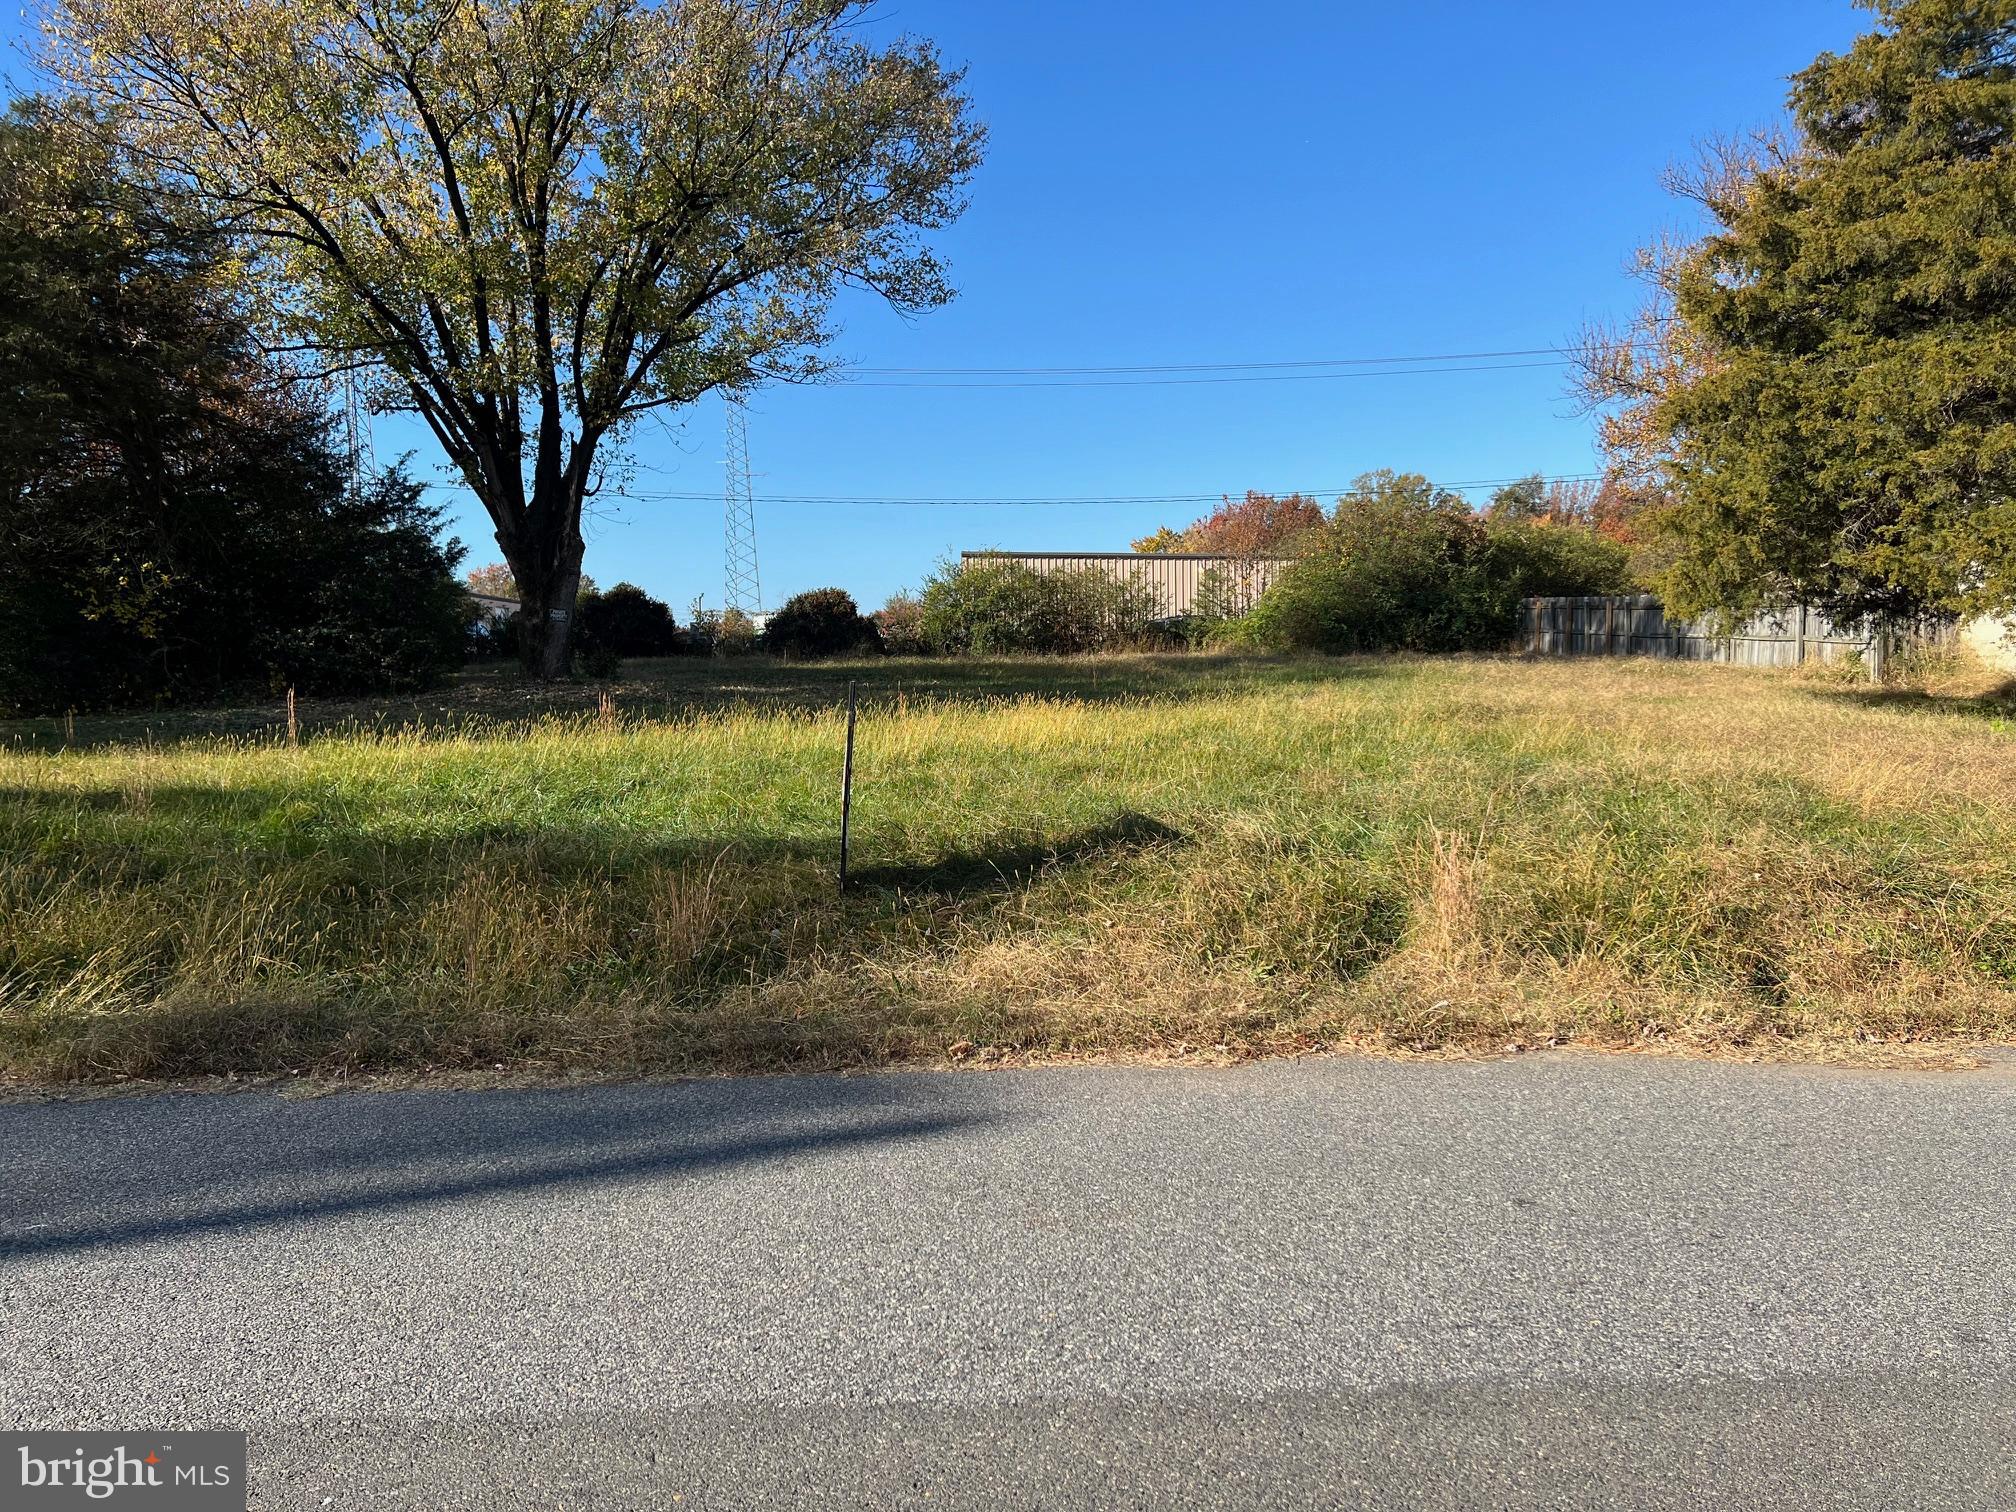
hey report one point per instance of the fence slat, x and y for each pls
(1636, 625)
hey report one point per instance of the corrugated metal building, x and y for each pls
(1175, 576)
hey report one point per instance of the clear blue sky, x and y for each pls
(1183, 182)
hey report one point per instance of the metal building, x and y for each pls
(1176, 576)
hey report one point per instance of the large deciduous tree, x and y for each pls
(537, 220)
(1827, 383)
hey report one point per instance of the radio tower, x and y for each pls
(356, 434)
(744, 588)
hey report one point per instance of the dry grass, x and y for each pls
(1171, 857)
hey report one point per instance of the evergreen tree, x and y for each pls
(177, 524)
(1829, 386)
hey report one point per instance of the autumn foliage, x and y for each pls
(1257, 525)
(1611, 507)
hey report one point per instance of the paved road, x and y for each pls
(1555, 1281)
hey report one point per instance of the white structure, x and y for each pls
(1993, 640)
(494, 608)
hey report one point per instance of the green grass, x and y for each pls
(1166, 856)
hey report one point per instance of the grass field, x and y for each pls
(1168, 856)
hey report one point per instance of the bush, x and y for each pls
(625, 621)
(1405, 566)
(823, 622)
(1542, 561)
(1225, 595)
(492, 639)
(901, 624)
(597, 661)
(726, 632)
(287, 582)
(992, 606)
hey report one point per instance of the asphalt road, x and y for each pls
(1559, 1281)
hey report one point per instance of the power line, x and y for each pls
(1210, 367)
(1074, 501)
(1123, 374)
(1202, 367)
(1077, 501)
(1168, 382)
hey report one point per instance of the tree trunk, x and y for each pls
(541, 537)
(549, 583)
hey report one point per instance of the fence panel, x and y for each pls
(1636, 625)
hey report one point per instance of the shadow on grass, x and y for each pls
(1010, 864)
(240, 833)
(1997, 703)
(484, 698)
(228, 826)
(225, 1164)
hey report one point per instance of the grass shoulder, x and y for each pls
(1187, 857)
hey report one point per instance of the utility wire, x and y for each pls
(1216, 367)
(1075, 500)
(1166, 382)
(1122, 374)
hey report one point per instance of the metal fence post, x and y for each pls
(847, 786)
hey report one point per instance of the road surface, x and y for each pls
(1552, 1281)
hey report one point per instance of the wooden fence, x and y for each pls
(1636, 625)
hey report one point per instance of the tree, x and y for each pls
(626, 621)
(1256, 525)
(360, 596)
(178, 523)
(492, 580)
(1826, 384)
(537, 220)
(1406, 566)
(823, 622)
(1609, 506)
(1524, 500)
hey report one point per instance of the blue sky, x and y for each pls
(1182, 182)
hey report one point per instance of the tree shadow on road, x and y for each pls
(131, 1170)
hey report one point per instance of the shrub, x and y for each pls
(901, 624)
(1541, 560)
(492, 639)
(598, 661)
(1405, 566)
(1225, 596)
(1401, 566)
(626, 621)
(992, 606)
(823, 622)
(725, 632)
